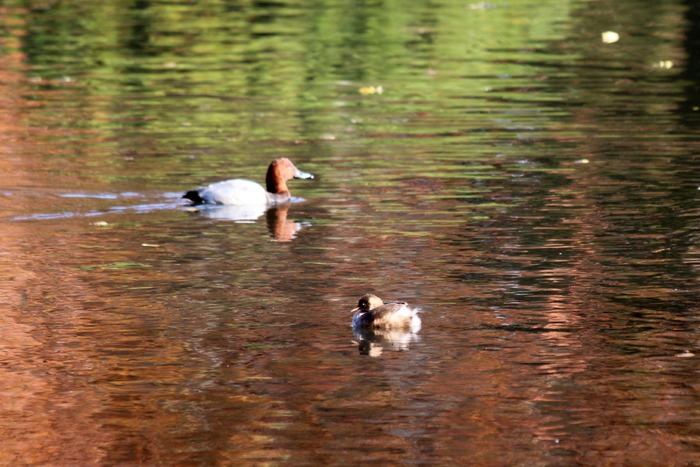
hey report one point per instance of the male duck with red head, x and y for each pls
(240, 192)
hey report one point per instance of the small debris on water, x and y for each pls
(367, 90)
(664, 64)
(482, 6)
(610, 37)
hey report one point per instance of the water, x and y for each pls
(533, 189)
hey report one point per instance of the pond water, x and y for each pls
(529, 181)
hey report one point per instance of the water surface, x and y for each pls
(532, 188)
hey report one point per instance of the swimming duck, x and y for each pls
(372, 312)
(238, 192)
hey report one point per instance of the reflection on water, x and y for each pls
(166, 201)
(373, 342)
(532, 187)
(281, 229)
(244, 213)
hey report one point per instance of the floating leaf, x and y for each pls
(367, 90)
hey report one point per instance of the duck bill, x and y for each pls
(355, 310)
(302, 175)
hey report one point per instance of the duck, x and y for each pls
(373, 313)
(241, 192)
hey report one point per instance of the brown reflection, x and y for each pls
(280, 228)
(46, 414)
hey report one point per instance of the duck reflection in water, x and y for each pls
(280, 228)
(372, 342)
(378, 325)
